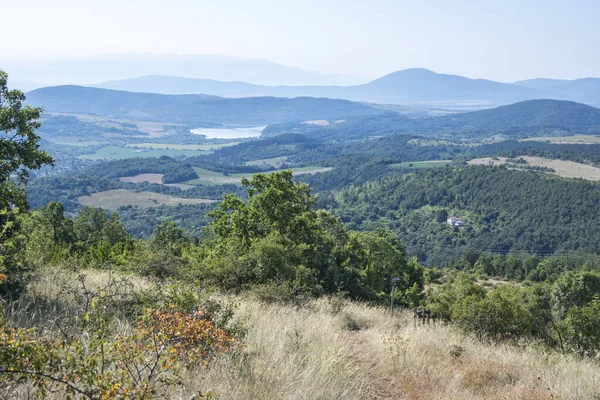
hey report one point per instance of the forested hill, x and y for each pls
(192, 109)
(501, 209)
(552, 116)
(529, 118)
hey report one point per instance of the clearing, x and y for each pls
(113, 199)
(566, 169)
(119, 152)
(154, 178)
(187, 147)
(207, 177)
(274, 162)
(421, 164)
(575, 139)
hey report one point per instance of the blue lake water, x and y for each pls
(229, 133)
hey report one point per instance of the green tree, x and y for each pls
(19, 148)
(19, 153)
(582, 327)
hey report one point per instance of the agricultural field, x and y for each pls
(186, 147)
(576, 139)
(119, 152)
(421, 164)
(274, 162)
(153, 129)
(113, 199)
(207, 177)
(566, 169)
(154, 178)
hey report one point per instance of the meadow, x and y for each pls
(575, 139)
(113, 199)
(187, 147)
(120, 152)
(566, 169)
(207, 177)
(421, 164)
(331, 348)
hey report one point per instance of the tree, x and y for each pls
(19, 147)
(19, 152)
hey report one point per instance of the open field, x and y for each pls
(71, 141)
(575, 139)
(421, 164)
(566, 169)
(187, 147)
(207, 177)
(332, 348)
(152, 178)
(153, 129)
(118, 152)
(336, 349)
(274, 162)
(113, 199)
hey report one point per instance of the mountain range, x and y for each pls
(334, 119)
(409, 86)
(35, 72)
(199, 110)
(530, 118)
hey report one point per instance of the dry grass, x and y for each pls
(566, 169)
(113, 199)
(152, 178)
(317, 353)
(335, 349)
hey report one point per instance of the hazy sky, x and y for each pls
(502, 39)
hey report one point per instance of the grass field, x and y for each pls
(576, 139)
(421, 164)
(153, 129)
(566, 169)
(113, 199)
(186, 147)
(152, 178)
(274, 162)
(207, 177)
(332, 348)
(119, 152)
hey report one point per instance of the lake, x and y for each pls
(229, 133)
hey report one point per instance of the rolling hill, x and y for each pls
(524, 119)
(191, 109)
(585, 90)
(416, 85)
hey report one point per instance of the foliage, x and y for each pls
(277, 238)
(136, 365)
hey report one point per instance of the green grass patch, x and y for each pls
(207, 177)
(421, 164)
(274, 162)
(186, 147)
(119, 152)
(113, 199)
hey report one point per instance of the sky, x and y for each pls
(505, 40)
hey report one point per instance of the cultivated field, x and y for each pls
(187, 147)
(119, 152)
(575, 139)
(113, 199)
(566, 169)
(207, 177)
(421, 164)
(153, 129)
